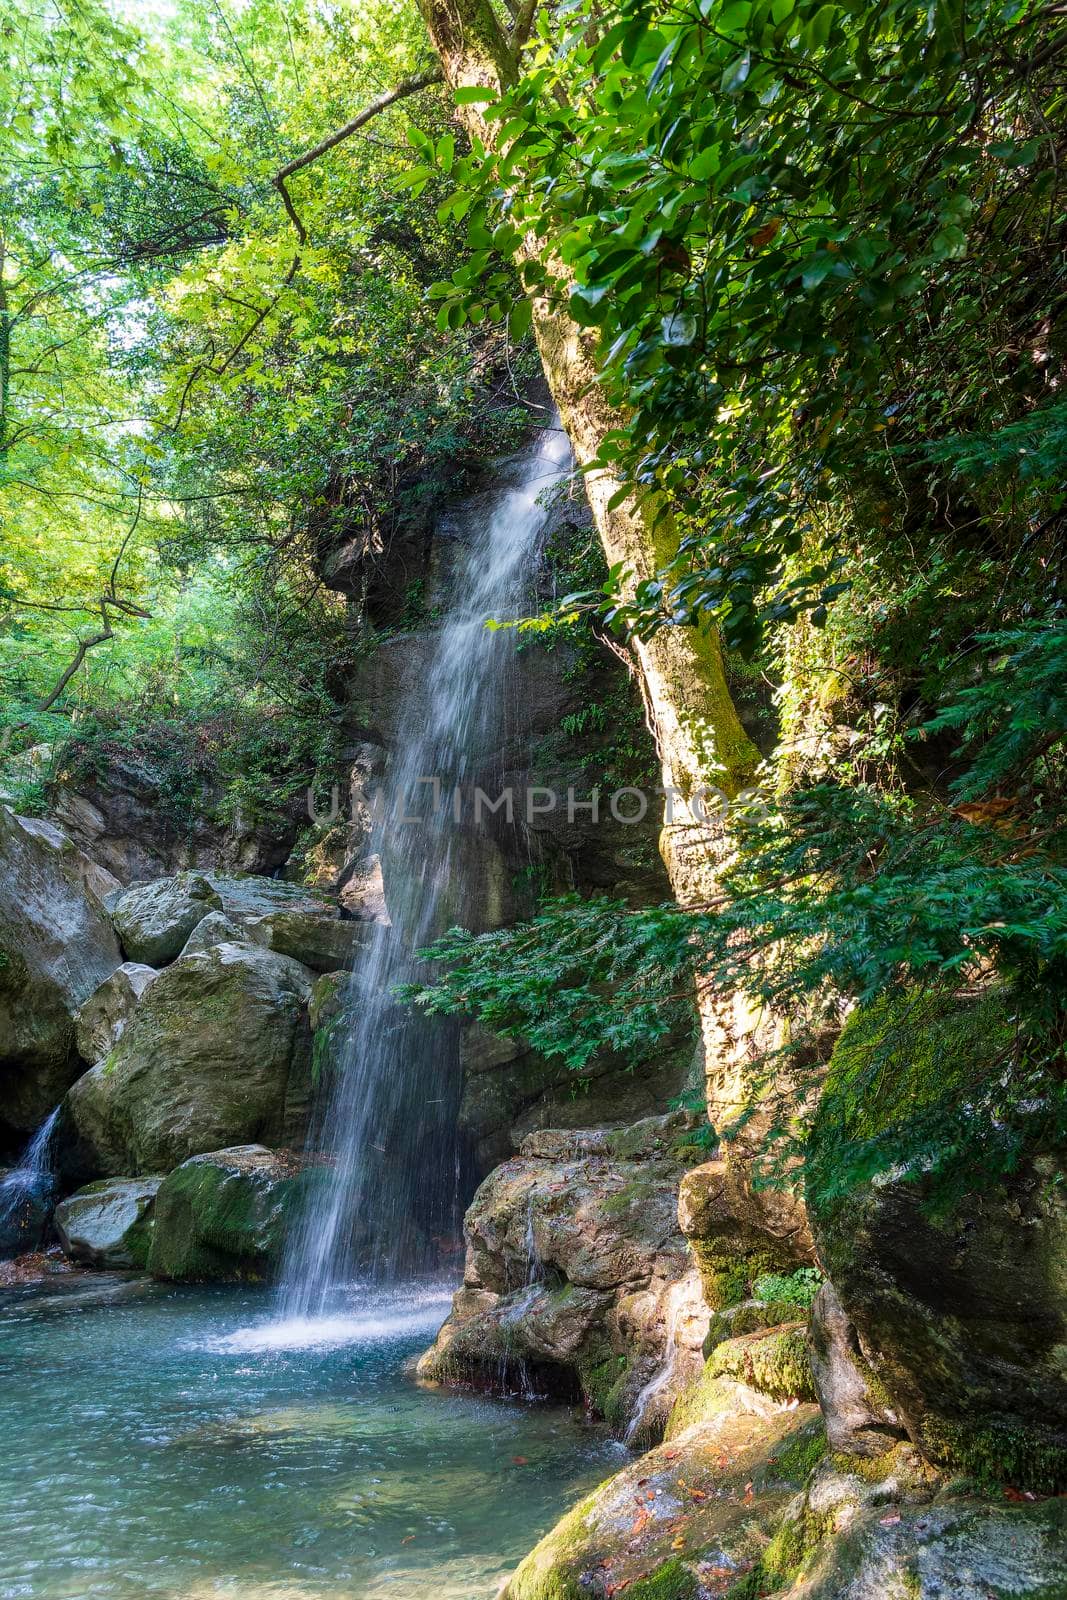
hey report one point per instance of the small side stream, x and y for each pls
(158, 1442)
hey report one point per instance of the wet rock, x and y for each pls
(897, 1531)
(99, 1023)
(688, 1519)
(56, 946)
(107, 1224)
(216, 1053)
(223, 1216)
(24, 1209)
(153, 922)
(573, 1273)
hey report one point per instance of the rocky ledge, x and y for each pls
(578, 1282)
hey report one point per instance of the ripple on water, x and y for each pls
(177, 1445)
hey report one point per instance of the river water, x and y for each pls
(166, 1442)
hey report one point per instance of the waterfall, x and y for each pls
(384, 1125)
(27, 1188)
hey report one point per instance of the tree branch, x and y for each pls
(382, 102)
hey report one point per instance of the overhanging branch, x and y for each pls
(400, 91)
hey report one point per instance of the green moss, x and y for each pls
(1026, 1457)
(748, 1317)
(903, 1053)
(673, 1581)
(604, 1386)
(729, 1270)
(774, 1363)
(801, 1454)
(707, 1397)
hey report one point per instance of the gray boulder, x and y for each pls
(215, 928)
(318, 939)
(217, 1053)
(99, 1023)
(56, 947)
(154, 922)
(106, 1224)
(577, 1279)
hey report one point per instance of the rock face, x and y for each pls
(99, 1023)
(56, 946)
(961, 1315)
(217, 1053)
(576, 1278)
(153, 922)
(860, 1419)
(107, 1224)
(116, 817)
(223, 1216)
(730, 1247)
(510, 1091)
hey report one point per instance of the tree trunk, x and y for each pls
(702, 745)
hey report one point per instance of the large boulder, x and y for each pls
(685, 1520)
(224, 1216)
(959, 1306)
(56, 947)
(217, 1053)
(577, 1279)
(100, 1021)
(155, 920)
(318, 939)
(107, 1224)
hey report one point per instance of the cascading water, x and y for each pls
(26, 1190)
(384, 1126)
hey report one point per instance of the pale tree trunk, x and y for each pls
(702, 745)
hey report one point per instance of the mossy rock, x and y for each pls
(109, 1224)
(224, 1217)
(774, 1362)
(896, 1539)
(705, 1503)
(963, 1310)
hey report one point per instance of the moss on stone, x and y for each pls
(604, 1385)
(747, 1317)
(905, 1052)
(774, 1362)
(997, 1454)
(797, 1460)
(708, 1396)
(672, 1581)
(729, 1270)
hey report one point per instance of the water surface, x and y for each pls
(177, 1442)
